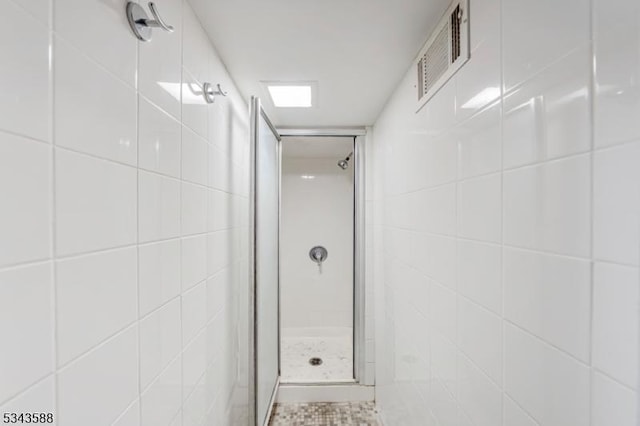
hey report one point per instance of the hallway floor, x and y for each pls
(325, 414)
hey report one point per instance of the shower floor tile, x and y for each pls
(325, 414)
(336, 354)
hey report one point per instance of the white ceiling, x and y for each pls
(317, 147)
(357, 50)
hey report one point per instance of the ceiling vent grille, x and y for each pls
(444, 53)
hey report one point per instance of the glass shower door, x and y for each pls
(265, 199)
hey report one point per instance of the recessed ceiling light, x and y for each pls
(291, 95)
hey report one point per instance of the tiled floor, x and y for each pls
(336, 354)
(325, 414)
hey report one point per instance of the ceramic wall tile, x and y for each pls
(27, 300)
(160, 70)
(617, 204)
(159, 139)
(96, 297)
(95, 112)
(97, 388)
(25, 87)
(160, 341)
(615, 329)
(95, 204)
(26, 215)
(534, 35)
(547, 207)
(100, 30)
(551, 297)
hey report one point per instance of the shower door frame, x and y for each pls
(258, 112)
(359, 290)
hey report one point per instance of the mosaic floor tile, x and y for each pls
(325, 414)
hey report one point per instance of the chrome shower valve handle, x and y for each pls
(318, 254)
(140, 23)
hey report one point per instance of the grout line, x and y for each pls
(181, 412)
(503, 326)
(456, 231)
(27, 137)
(608, 376)
(155, 378)
(103, 68)
(95, 157)
(547, 343)
(74, 256)
(160, 307)
(514, 88)
(76, 358)
(53, 223)
(156, 105)
(517, 404)
(37, 262)
(22, 392)
(592, 129)
(94, 252)
(138, 171)
(125, 411)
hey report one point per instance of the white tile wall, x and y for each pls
(615, 331)
(160, 341)
(26, 95)
(95, 112)
(550, 296)
(533, 318)
(158, 207)
(100, 385)
(310, 297)
(114, 302)
(160, 69)
(95, 298)
(161, 402)
(612, 403)
(616, 227)
(40, 395)
(95, 203)
(158, 140)
(534, 35)
(28, 350)
(25, 217)
(158, 274)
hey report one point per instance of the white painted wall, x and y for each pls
(506, 227)
(317, 209)
(123, 227)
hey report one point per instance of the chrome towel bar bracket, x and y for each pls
(140, 23)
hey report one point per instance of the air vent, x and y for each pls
(444, 53)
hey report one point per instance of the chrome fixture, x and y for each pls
(344, 164)
(140, 23)
(210, 94)
(318, 254)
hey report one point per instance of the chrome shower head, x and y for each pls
(344, 164)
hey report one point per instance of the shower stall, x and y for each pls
(317, 260)
(307, 293)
